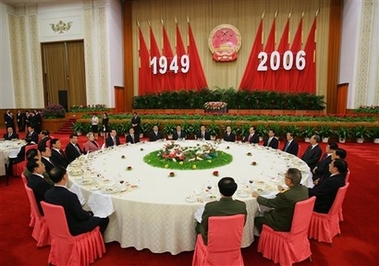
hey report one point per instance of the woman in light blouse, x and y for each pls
(95, 125)
(91, 145)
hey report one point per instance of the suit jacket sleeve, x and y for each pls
(76, 208)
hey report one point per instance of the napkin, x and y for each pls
(199, 213)
(101, 205)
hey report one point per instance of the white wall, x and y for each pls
(6, 82)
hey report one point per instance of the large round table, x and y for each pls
(155, 211)
(9, 148)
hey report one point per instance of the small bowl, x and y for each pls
(129, 168)
(254, 163)
(215, 173)
(171, 174)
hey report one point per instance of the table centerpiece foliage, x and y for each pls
(175, 156)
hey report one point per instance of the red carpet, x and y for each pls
(358, 244)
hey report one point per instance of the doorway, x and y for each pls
(64, 73)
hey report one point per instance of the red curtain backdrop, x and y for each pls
(307, 78)
(168, 79)
(269, 83)
(282, 77)
(156, 80)
(180, 78)
(295, 48)
(253, 79)
(195, 76)
(144, 71)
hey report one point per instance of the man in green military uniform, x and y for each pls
(226, 206)
(280, 218)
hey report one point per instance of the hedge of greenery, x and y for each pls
(235, 99)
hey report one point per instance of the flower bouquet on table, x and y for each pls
(215, 107)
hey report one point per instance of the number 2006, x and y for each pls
(162, 63)
(287, 60)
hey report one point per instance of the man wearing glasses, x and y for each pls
(280, 218)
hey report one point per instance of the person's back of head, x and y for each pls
(31, 154)
(295, 175)
(42, 146)
(332, 145)
(31, 165)
(28, 140)
(57, 173)
(227, 186)
(341, 153)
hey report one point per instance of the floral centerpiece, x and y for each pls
(215, 107)
(54, 111)
(174, 152)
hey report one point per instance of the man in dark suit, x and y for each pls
(46, 156)
(32, 134)
(203, 134)
(226, 206)
(37, 182)
(10, 134)
(280, 218)
(178, 133)
(156, 134)
(132, 137)
(112, 139)
(79, 221)
(322, 166)
(20, 121)
(326, 189)
(58, 156)
(136, 123)
(45, 136)
(229, 135)
(73, 149)
(252, 136)
(291, 146)
(313, 152)
(271, 141)
(9, 120)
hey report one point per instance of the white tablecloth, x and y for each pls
(8, 148)
(156, 214)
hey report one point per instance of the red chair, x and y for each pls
(224, 242)
(324, 226)
(340, 213)
(32, 219)
(19, 168)
(289, 247)
(40, 230)
(70, 250)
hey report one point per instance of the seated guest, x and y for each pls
(326, 189)
(45, 135)
(229, 135)
(322, 166)
(91, 145)
(178, 133)
(271, 141)
(34, 154)
(291, 146)
(132, 137)
(79, 221)
(37, 182)
(73, 149)
(339, 153)
(32, 134)
(280, 218)
(156, 134)
(226, 206)
(251, 137)
(58, 156)
(45, 156)
(112, 139)
(203, 134)
(10, 134)
(313, 153)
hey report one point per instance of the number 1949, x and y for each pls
(161, 64)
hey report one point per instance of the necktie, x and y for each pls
(77, 148)
(114, 141)
(288, 143)
(268, 142)
(249, 139)
(132, 138)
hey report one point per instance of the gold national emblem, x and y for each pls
(224, 43)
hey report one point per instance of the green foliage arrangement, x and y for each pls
(90, 108)
(241, 99)
(368, 109)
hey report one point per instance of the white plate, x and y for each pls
(86, 181)
(94, 188)
(190, 199)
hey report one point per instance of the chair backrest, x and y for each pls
(24, 179)
(347, 176)
(340, 196)
(56, 220)
(302, 216)
(29, 147)
(225, 233)
(33, 203)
